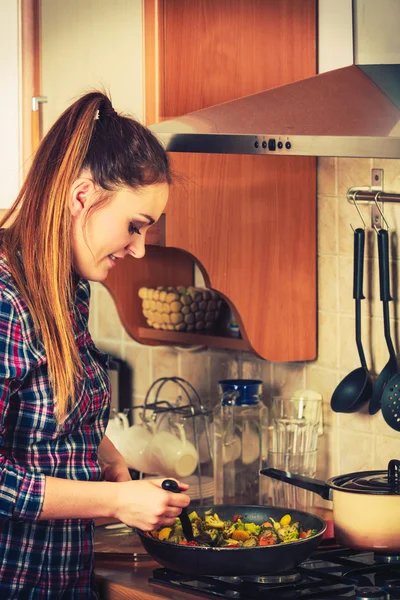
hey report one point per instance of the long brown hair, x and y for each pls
(118, 151)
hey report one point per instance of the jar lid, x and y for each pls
(371, 482)
(248, 391)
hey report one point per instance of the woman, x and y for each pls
(97, 183)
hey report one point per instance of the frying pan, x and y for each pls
(202, 560)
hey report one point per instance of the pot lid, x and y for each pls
(371, 482)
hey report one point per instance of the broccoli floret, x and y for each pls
(213, 534)
(213, 522)
(252, 528)
(229, 530)
(289, 533)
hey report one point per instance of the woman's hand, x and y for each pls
(146, 505)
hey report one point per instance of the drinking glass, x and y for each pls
(295, 423)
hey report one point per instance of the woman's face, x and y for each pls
(107, 234)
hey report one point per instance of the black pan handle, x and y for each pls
(171, 486)
(307, 483)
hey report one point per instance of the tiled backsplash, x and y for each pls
(350, 442)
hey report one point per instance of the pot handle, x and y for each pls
(307, 483)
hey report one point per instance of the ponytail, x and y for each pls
(118, 151)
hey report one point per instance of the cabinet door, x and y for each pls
(250, 221)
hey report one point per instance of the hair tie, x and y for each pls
(106, 111)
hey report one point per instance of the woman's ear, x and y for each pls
(81, 194)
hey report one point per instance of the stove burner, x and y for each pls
(331, 573)
(367, 593)
(386, 558)
(286, 577)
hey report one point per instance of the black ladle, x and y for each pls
(171, 486)
(390, 369)
(355, 389)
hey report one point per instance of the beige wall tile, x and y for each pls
(386, 448)
(251, 369)
(266, 370)
(327, 176)
(328, 223)
(195, 368)
(346, 301)
(139, 358)
(109, 324)
(391, 173)
(328, 288)
(353, 172)
(165, 364)
(357, 451)
(287, 378)
(324, 381)
(328, 340)
(358, 421)
(110, 347)
(328, 454)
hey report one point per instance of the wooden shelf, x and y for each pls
(192, 339)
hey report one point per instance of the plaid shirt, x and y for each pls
(45, 559)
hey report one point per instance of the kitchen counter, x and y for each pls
(121, 577)
(125, 580)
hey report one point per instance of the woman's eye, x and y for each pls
(133, 229)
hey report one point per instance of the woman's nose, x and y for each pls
(137, 247)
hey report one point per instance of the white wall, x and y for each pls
(335, 35)
(10, 143)
(91, 44)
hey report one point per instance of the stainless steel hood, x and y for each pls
(352, 111)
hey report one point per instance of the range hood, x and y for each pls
(353, 111)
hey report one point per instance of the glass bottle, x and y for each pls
(240, 441)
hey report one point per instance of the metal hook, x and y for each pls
(359, 212)
(380, 212)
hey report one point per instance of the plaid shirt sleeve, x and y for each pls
(21, 491)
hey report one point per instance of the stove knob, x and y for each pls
(368, 592)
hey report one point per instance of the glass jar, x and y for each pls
(240, 441)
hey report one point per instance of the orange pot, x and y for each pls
(366, 505)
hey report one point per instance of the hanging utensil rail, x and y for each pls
(366, 196)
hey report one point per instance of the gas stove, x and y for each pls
(328, 573)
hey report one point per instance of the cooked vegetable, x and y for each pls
(164, 533)
(211, 530)
(286, 519)
(214, 522)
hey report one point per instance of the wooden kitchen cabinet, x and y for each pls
(248, 221)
